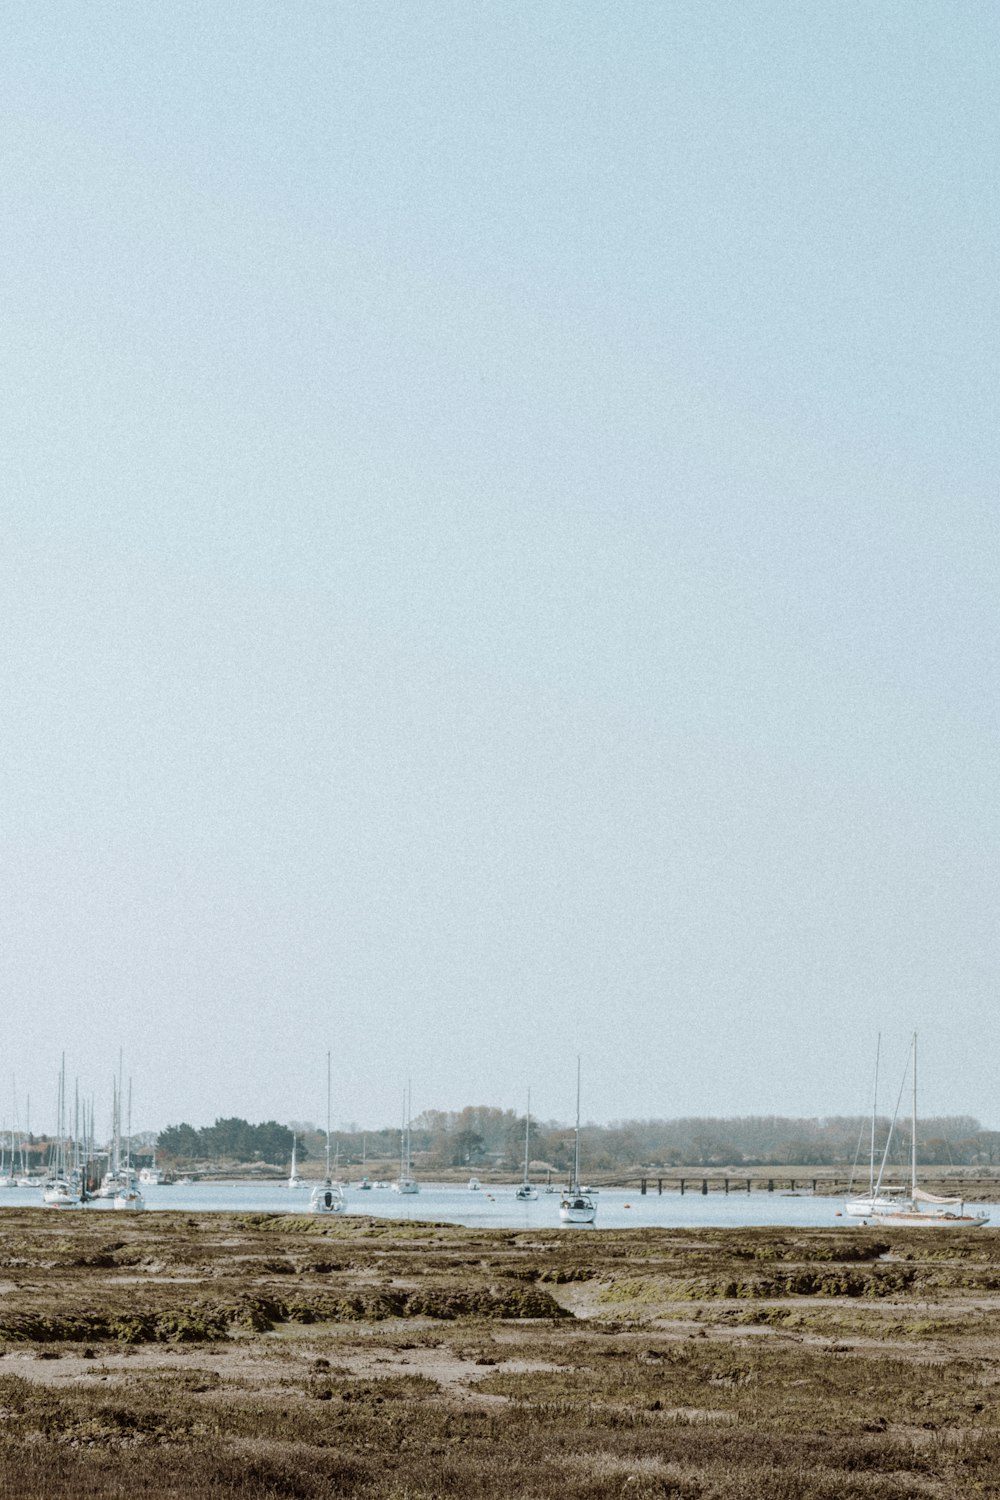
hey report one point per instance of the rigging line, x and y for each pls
(892, 1125)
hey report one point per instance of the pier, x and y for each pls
(767, 1180)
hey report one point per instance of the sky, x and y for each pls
(499, 555)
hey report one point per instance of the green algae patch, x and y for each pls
(182, 1325)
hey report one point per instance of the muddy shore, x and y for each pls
(260, 1356)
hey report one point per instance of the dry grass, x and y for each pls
(260, 1357)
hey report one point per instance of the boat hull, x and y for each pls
(327, 1200)
(914, 1219)
(577, 1210)
(865, 1208)
(61, 1197)
(131, 1201)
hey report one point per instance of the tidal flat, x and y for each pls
(273, 1355)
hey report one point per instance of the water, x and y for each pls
(494, 1207)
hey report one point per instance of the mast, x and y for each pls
(871, 1158)
(328, 1119)
(115, 1142)
(576, 1151)
(527, 1127)
(913, 1125)
(61, 1159)
(118, 1119)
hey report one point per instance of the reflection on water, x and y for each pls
(496, 1208)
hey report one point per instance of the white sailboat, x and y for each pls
(128, 1195)
(406, 1182)
(879, 1198)
(116, 1179)
(151, 1176)
(527, 1192)
(294, 1180)
(919, 1210)
(327, 1197)
(576, 1206)
(25, 1179)
(61, 1189)
(365, 1185)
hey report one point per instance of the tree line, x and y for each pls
(485, 1136)
(229, 1140)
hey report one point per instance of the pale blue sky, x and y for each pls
(499, 553)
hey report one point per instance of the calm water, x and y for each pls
(497, 1207)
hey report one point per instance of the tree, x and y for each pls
(466, 1147)
(273, 1143)
(179, 1140)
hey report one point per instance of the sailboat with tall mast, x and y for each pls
(406, 1182)
(62, 1187)
(294, 1178)
(117, 1178)
(327, 1197)
(527, 1192)
(576, 1206)
(129, 1194)
(919, 1210)
(879, 1198)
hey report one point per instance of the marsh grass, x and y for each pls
(266, 1356)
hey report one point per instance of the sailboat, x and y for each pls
(116, 1179)
(327, 1197)
(151, 1176)
(61, 1188)
(527, 1192)
(365, 1185)
(294, 1180)
(25, 1179)
(919, 1210)
(576, 1206)
(128, 1194)
(406, 1182)
(879, 1198)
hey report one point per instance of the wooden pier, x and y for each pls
(770, 1181)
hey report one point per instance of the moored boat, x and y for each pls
(151, 1176)
(327, 1197)
(894, 1208)
(527, 1192)
(128, 1195)
(294, 1179)
(575, 1205)
(62, 1188)
(406, 1182)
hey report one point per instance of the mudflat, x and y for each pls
(260, 1356)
